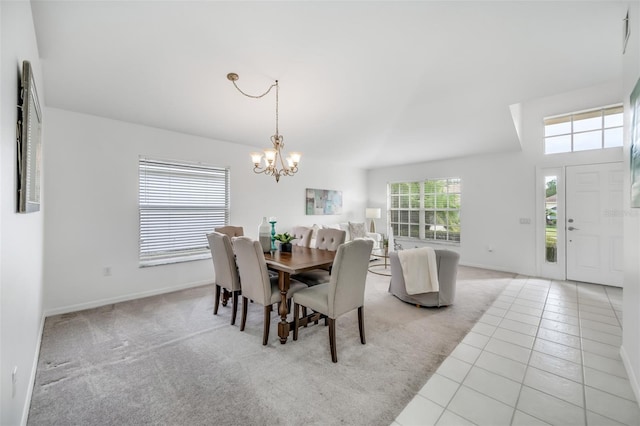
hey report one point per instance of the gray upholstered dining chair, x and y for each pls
(256, 283)
(327, 239)
(231, 231)
(224, 264)
(343, 293)
(302, 235)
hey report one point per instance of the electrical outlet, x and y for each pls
(14, 379)
(525, 221)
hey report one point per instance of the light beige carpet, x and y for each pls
(168, 360)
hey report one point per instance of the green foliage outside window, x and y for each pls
(426, 210)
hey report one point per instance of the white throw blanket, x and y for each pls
(419, 269)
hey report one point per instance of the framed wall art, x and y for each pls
(323, 201)
(635, 146)
(29, 145)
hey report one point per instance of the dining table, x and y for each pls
(300, 259)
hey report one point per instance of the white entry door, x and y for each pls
(594, 223)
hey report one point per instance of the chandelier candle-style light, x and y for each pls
(271, 156)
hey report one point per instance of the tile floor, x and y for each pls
(545, 353)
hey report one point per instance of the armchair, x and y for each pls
(447, 265)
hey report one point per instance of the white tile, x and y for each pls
(483, 328)
(560, 326)
(501, 304)
(609, 383)
(508, 350)
(420, 411)
(493, 385)
(560, 351)
(600, 318)
(506, 367)
(554, 385)
(527, 319)
(608, 365)
(523, 419)
(537, 296)
(596, 310)
(439, 389)
(561, 310)
(505, 299)
(611, 406)
(526, 310)
(598, 420)
(558, 337)
(549, 409)
(514, 337)
(496, 312)
(563, 303)
(529, 303)
(490, 319)
(466, 353)
(567, 369)
(567, 319)
(452, 419)
(601, 337)
(454, 369)
(518, 326)
(616, 330)
(480, 409)
(475, 339)
(602, 349)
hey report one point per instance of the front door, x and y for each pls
(594, 223)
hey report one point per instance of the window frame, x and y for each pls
(402, 214)
(178, 200)
(573, 133)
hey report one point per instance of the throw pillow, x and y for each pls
(357, 230)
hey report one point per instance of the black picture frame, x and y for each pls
(29, 144)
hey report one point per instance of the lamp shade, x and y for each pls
(372, 213)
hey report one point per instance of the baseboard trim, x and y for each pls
(633, 380)
(490, 267)
(125, 298)
(32, 376)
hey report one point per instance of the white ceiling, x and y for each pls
(371, 83)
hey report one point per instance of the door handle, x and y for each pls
(571, 228)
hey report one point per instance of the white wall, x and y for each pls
(500, 189)
(21, 235)
(92, 216)
(631, 302)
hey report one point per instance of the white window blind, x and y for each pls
(179, 203)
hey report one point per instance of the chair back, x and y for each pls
(231, 231)
(303, 236)
(330, 239)
(252, 266)
(224, 262)
(348, 276)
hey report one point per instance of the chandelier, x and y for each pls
(274, 162)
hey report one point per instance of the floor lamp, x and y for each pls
(372, 213)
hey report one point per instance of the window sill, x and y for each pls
(408, 241)
(174, 259)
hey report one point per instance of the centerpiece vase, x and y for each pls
(264, 235)
(273, 235)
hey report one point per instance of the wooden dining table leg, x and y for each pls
(283, 325)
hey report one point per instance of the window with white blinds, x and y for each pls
(179, 203)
